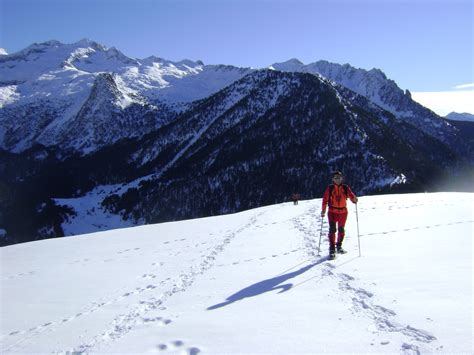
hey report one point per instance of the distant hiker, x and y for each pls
(295, 197)
(335, 197)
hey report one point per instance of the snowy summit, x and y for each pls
(251, 282)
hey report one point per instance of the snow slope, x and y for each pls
(251, 283)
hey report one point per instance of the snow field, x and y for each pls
(251, 282)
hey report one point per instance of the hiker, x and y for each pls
(335, 197)
(295, 197)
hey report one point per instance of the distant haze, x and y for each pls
(444, 102)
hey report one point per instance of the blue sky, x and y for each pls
(424, 45)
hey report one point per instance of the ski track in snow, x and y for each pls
(122, 293)
(123, 324)
(360, 300)
(94, 307)
(362, 303)
(417, 227)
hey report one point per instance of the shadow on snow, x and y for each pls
(268, 285)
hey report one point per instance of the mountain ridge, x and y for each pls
(173, 84)
(169, 141)
(67, 73)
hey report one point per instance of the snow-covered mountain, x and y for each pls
(251, 144)
(251, 283)
(44, 88)
(385, 93)
(61, 70)
(52, 82)
(87, 131)
(455, 116)
(274, 133)
(372, 84)
(3, 51)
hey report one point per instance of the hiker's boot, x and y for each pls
(340, 250)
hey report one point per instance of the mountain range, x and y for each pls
(455, 116)
(152, 140)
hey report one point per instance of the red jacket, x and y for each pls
(337, 200)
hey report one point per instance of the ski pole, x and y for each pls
(320, 234)
(358, 236)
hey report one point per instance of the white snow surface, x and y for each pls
(54, 69)
(251, 282)
(8, 95)
(89, 214)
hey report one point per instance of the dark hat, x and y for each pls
(337, 172)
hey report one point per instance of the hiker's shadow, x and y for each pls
(268, 285)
